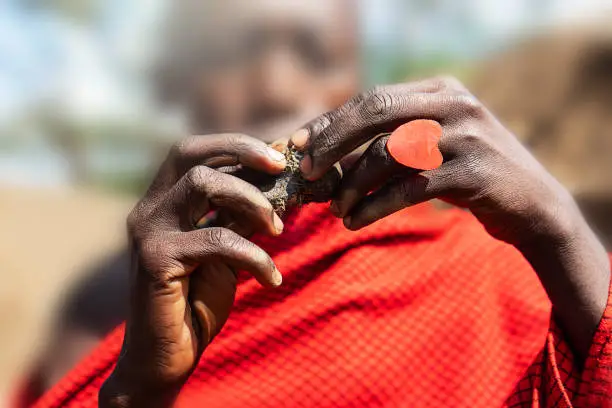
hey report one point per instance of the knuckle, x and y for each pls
(136, 220)
(197, 177)
(378, 103)
(471, 141)
(317, 126)
(378, 148)
(470, 106)
(359, 98)
(376, 90)
(449, 82)
(223, 238)
(433, 85)
(438, 84)
(325, 120)
(216, 237)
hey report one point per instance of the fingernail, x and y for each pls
(277, 278)
(280, 145)
(276, 155)
(334, 209)
(347, 222)
(278, 223)
(306, 164)
(300, 138)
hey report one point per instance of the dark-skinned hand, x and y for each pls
(485, 169)
(182, 280)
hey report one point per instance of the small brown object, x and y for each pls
(289, 189)
(284, 191)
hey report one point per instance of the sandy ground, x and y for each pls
(47, 238)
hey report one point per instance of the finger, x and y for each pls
(350, 159)
(207, 245)
(229, 150)
(239, 224)
(372, 170)
(217, 151)
(212, 290)
(203, 189)
(396, 196)
(382, 110)
(431, 85)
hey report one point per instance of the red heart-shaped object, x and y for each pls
(415, 144)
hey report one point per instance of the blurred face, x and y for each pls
(268, 66)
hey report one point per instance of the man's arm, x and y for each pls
(485, 169)
(574, 269)
(182, 279)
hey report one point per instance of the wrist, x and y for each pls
(553, 224)
(574, 269)
(560, 233)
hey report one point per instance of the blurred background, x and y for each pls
(92, 93)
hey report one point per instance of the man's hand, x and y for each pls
(485, 169)
(183, 278)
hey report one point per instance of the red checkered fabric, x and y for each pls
(422, 309)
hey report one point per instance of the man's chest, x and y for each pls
(383, 323)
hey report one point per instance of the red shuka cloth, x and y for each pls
(422, 309)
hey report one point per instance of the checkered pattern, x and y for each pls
(422, 309)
